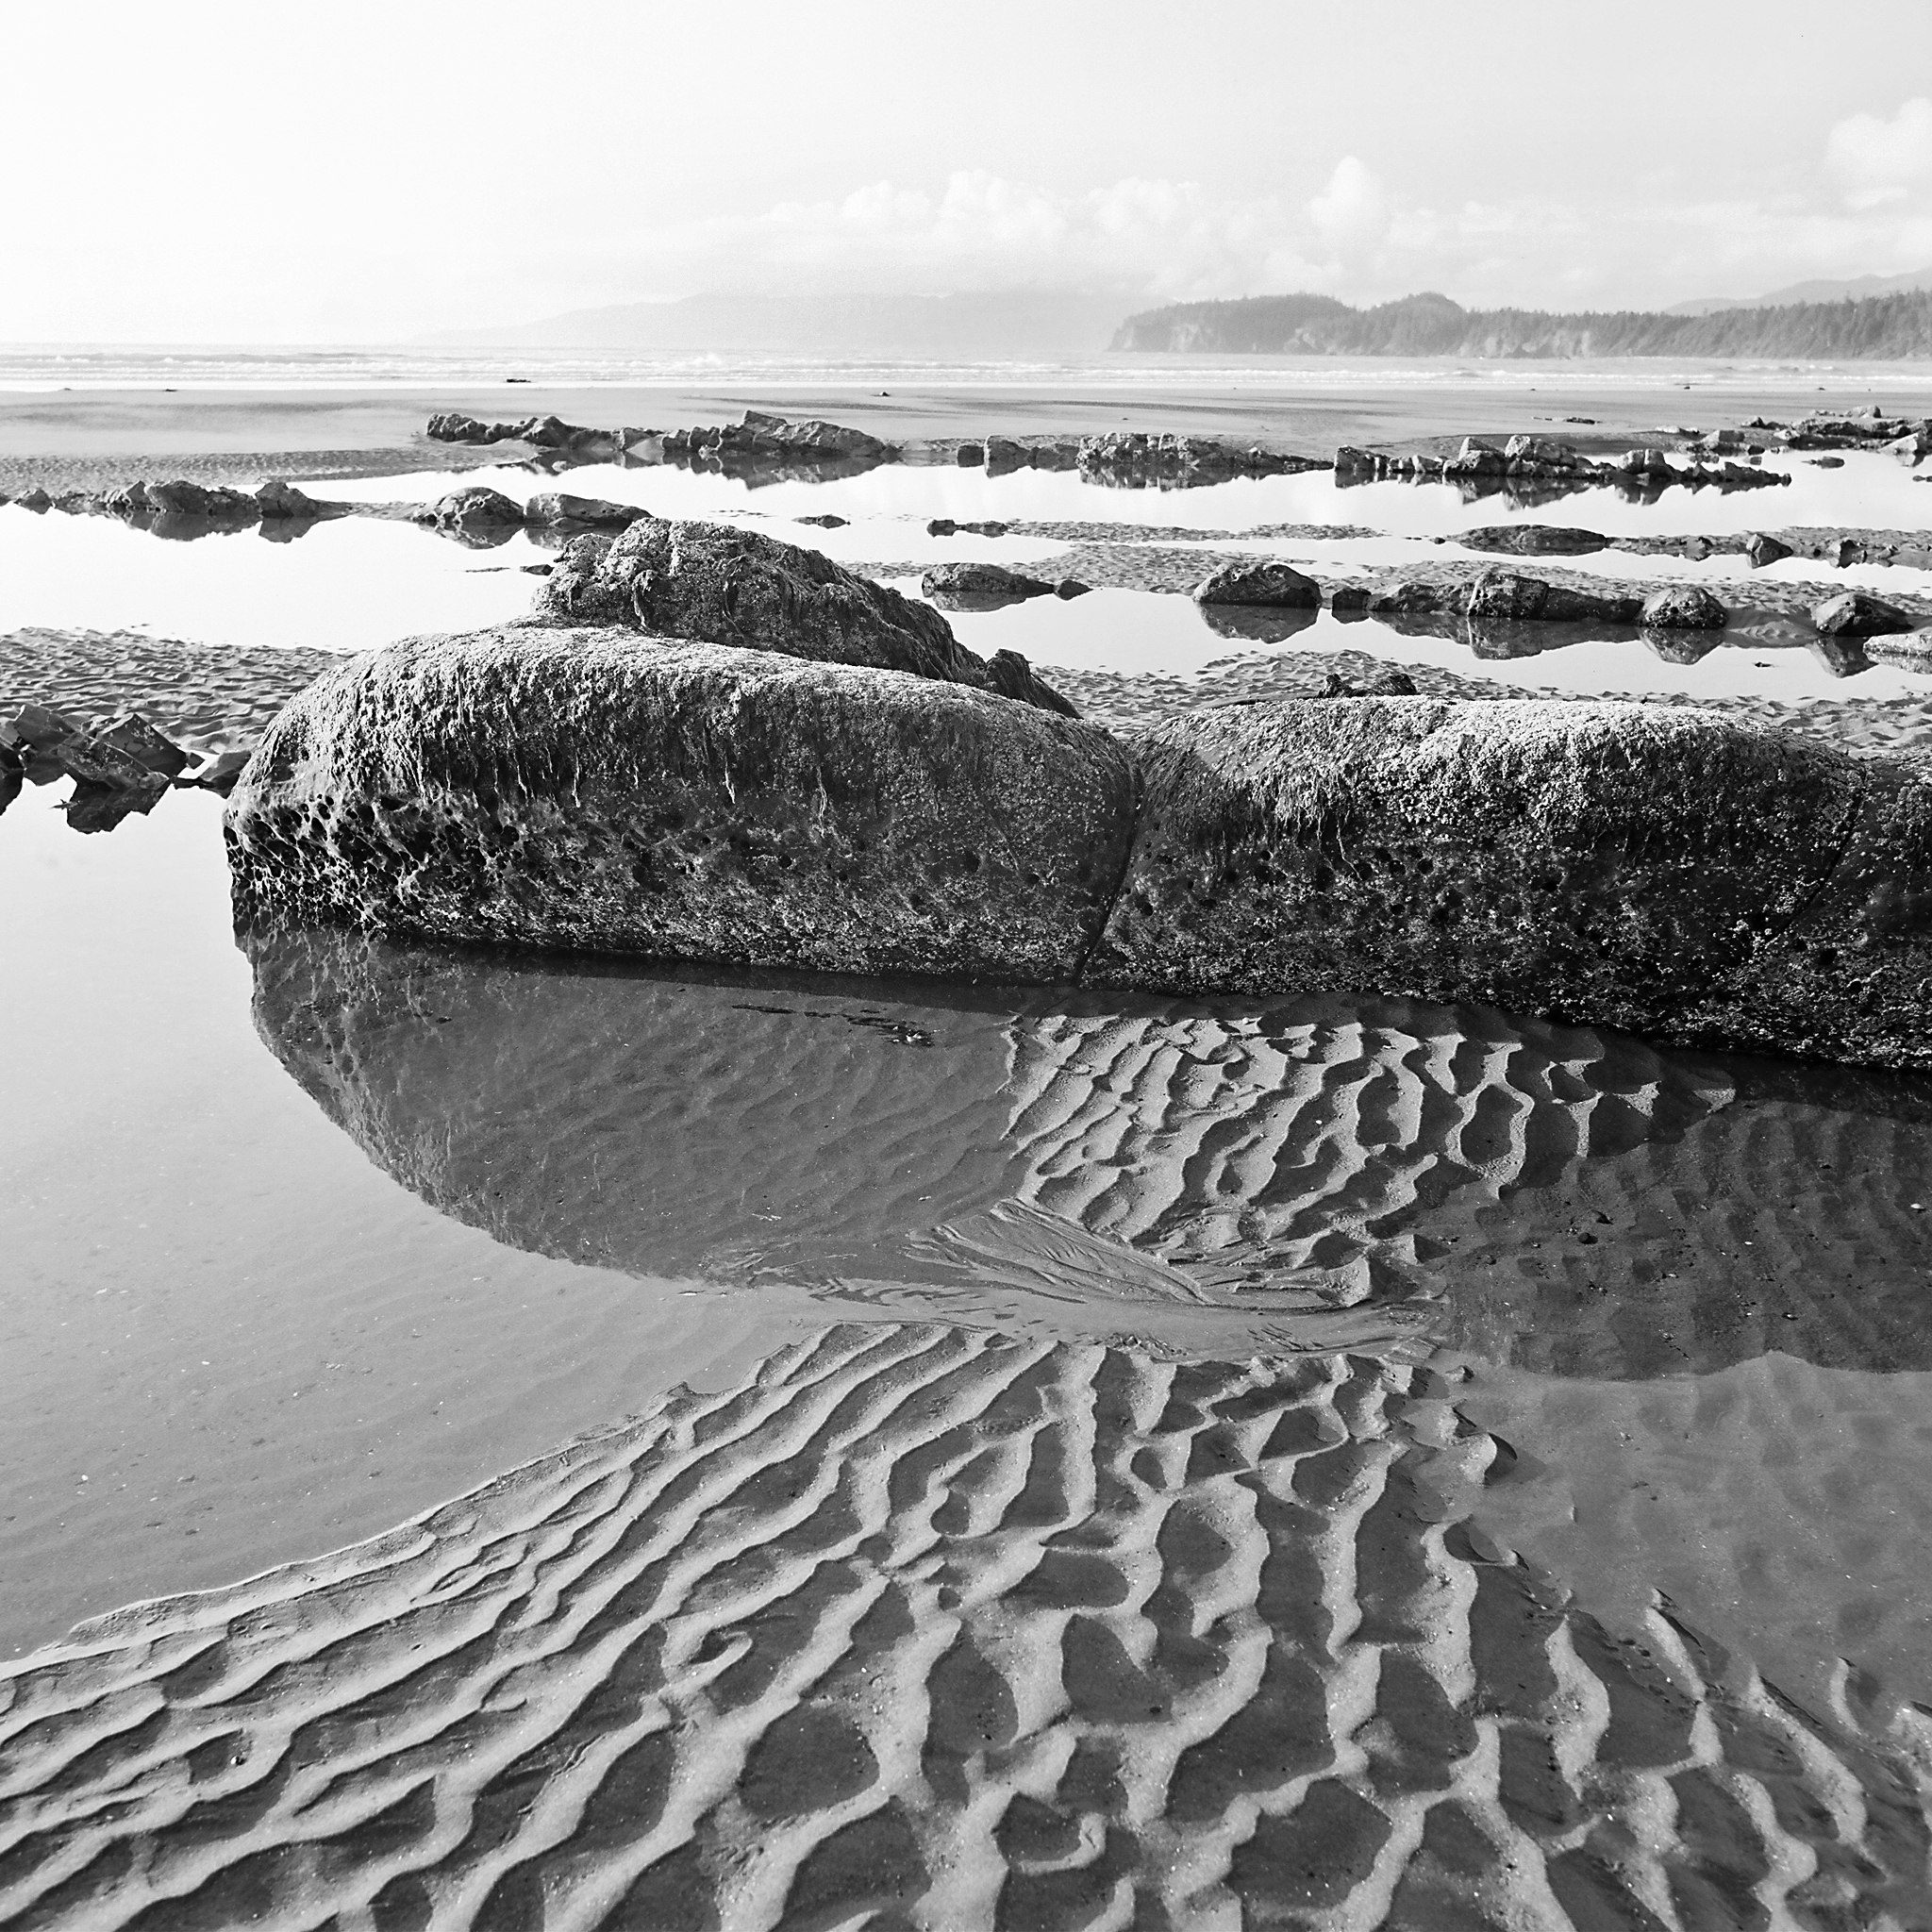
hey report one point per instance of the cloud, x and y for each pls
(1878, 161)
(1352, 213)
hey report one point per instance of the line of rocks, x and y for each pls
(1480, 462)
(122, 766)
(825, 782)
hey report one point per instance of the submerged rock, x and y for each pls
(1264, 581)
(684, 801)
(1858, 615)
(1658, 868)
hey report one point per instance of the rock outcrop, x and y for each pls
(1504, 597)
(1913, 649)
(557, 507)
(473, 508)
(1136, 461)
(1264, 581)
(1658, 868)
(718, 583)
(685, 802)
(539, 432)
(1533, 539)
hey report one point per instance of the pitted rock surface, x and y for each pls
(1663, 870)
(590, 791)
(718, 584)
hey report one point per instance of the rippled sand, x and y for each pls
(950, 1629)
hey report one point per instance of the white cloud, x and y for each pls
(1878, 161)
(1352, 213)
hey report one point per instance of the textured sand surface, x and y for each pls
(922, 1627)
(1569, 1199)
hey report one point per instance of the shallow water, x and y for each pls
(309, 1232)
(351, 584)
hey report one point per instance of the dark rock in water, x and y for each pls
(1858, 615)
(1349, 602)
(1683, 607)
(1255, 580)
(684, 801)
(1502, 595)
(1844, 656)
(131, 733)
(35, 728)
(1827, 462)
(991, 581)
(827, 521)
(1682, 646)
(1008, 674)
(475, 506)
(1762, 550)
(1259, 624)
(970, 456)
(1656, 867)
(95, 762)
(1477, 458)
(594, 512)
(95, 807)
(941, 526)
(1913, 649)
(1534, 539)
(813, 435)
(1070, 588)
(1004, 456)
(36, 500)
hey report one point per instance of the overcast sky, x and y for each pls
(356, 173)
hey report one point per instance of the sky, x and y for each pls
(360, 173)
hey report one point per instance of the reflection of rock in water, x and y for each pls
(951, 1631)
(1261, 624)
(1583, 1203)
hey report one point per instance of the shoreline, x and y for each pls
(75, 438)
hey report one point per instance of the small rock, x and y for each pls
(941, 526)
(1070, 588)
(94, 762)
(1827, 462)
(132, 734)
(826, 522)
(1762, 550)
(1253, 581)
(1683, 607)
(35, 728)
(1349, 601)
(36, 500)
(981, 580)
(475, 506)
(279, 500)
(593, 512)
(1858, 615)
(971, 456)
(1387, 683)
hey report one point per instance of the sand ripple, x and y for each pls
(1221, 1176)
(955, 1631)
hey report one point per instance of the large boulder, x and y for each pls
(1260, 581)
(590, 791)
(1661, 869)
(716, 583)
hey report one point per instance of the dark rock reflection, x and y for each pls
(1562, 1199)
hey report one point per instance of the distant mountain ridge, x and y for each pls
(1897, 325)
(1015, 324)
(1858, 289)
